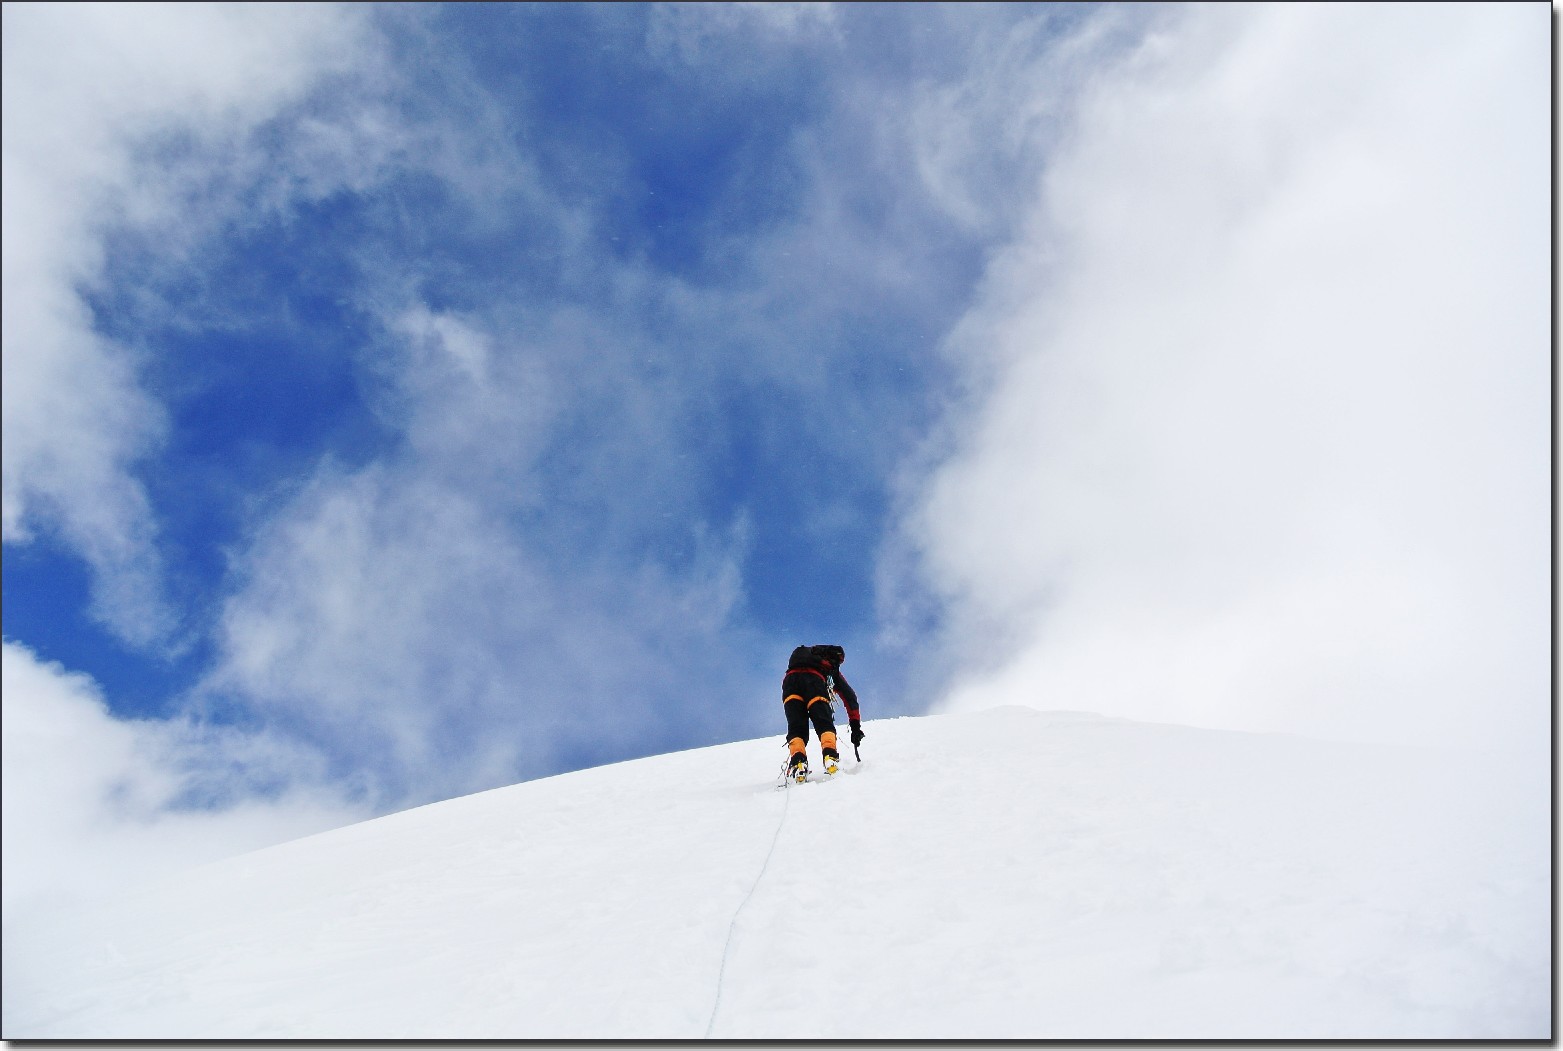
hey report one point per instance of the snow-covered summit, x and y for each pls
(1013, 873)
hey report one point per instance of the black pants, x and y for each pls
(806, 700)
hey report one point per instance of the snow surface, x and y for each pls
(1013, 873)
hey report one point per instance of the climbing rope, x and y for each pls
(732, 925)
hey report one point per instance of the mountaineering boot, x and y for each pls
(827, 742)
(798, 769)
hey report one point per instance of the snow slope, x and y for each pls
(1011, 874)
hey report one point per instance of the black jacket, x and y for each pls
(826, 661)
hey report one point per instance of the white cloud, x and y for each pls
(94, 805)
(440, 626)
(711, 34)
(396, 620)
(1262, 437)
(87, 88)
(974, 139)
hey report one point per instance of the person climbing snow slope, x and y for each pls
(813, 673)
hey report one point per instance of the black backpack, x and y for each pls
(815, 657)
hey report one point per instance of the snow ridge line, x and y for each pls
(732, 924)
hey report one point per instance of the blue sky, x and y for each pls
(405, 401)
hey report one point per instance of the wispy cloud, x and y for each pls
(523, 580)
(398, 620)
(1261, 431)
(715, 35)
(85, 89)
